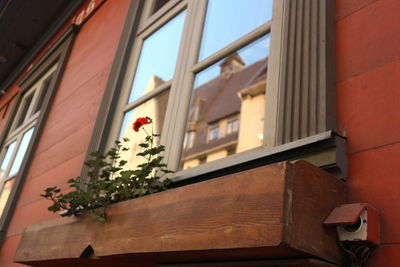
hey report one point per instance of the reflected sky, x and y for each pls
(21, 152)
(228, 20)
(250, 54)
(158, 56)
(7, 158)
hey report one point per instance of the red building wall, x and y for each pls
(63, 143)
(368, 109)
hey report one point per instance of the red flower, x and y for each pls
(140, 122)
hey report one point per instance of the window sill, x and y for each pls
(270, 212)
(325, 150)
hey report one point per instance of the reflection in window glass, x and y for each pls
(159, 4)
(154, 108)
(239, 18)
(5, 193)
(21, 152)
(189, 140)
(24, 111)
(249, 55)
(42, 94)
(158, 58)
(227, 92)
(232, 126)
(6, 159)
(213, 132)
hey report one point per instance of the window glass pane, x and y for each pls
(213, 132)
(232, 126)
(228, 20)
(155, 109)
(159, 4)
(249, 55)
(43, 92)
(6, 159)
(5, 194)
(25, 107)
(21, 152)
(158, 58)
(227, 108)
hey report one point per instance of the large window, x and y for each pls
(220, 67)
(224, 78)
(19, 137)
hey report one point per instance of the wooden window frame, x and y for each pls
(56, 56)
(301, 57)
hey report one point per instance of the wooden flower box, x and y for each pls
(271, 212)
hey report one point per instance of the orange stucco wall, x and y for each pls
(62, 146)
(368, 109)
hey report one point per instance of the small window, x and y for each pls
(213, 132)
(189, 140)
(232, 126)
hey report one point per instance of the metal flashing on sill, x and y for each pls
(326, 150)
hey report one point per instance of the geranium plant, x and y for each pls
(109, 182)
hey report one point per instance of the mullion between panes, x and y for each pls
(236, 45)
(137, 52)
(197, 67)
(42, 94)
(45, 79)
(39, 86)
(34, 92)
(177, 110)
(149, 27)
(123, 105)
(153, 94)
(24, 125)
(136, 56)
(21, 106)
(18, 139)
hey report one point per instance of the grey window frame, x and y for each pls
(29, 121)
(57, 56)
(300, 83)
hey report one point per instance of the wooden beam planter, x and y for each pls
(270, 212)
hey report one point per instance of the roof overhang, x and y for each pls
(26, 27)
